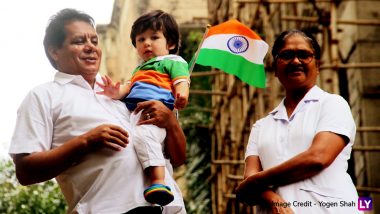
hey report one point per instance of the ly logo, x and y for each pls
(364, 203)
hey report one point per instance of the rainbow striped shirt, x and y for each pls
(154, 80)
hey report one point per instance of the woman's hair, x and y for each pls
(280, 41)
(158, 20)
(55, 31)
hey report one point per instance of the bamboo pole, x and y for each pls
(367, 148)
(206, 73)
(279, 1)
(227, 162)
(368, 189)
(368, 129)
(370, 22)
(207, 92)
(351, 65)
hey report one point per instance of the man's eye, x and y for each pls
(78, 41)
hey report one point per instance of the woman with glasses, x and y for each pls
(296, 158)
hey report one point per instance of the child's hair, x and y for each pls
(158, 20)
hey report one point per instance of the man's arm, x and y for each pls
(175, 143)
(161, 116)
(42, 166)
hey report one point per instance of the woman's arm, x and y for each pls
(42, 166)
(263, 195)
(245, 192)
(161, 116)
(325, 147)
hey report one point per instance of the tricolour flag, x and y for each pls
(235, 49)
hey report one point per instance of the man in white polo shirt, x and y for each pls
(65, 130)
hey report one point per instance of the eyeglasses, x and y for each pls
(287, 56)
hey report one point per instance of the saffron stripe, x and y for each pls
(232, 27)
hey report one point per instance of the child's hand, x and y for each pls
(110, 89)
(180, 101)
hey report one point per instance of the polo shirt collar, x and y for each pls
(313, 95)
(63, 78)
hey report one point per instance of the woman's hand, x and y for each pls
(276, 202)
(249, 191)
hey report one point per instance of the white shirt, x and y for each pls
(105, 181)
(277, 138)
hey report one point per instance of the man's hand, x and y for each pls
(154, 112)
(106, 136)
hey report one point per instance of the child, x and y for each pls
(155, 35)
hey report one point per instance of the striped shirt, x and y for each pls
(154, 80)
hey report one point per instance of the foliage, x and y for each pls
(194, 123)
(41, 198)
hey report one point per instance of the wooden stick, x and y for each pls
(199, 47)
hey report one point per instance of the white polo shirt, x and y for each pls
(277, 138)
(105, 181)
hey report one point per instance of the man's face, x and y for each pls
(80, 53)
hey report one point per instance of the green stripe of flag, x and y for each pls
(249, 72)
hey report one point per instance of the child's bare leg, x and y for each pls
(157, 192)
(156, 174)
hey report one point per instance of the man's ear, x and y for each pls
(53, 53)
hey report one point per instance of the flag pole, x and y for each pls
(197, 52)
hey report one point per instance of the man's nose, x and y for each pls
(89, 47)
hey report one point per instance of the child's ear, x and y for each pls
(171, 47)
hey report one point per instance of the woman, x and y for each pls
(296, 158)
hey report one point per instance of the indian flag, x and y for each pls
(235, 49)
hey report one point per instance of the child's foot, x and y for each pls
(158, 194)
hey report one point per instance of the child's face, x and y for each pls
(150, 44)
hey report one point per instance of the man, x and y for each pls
(65, 130)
